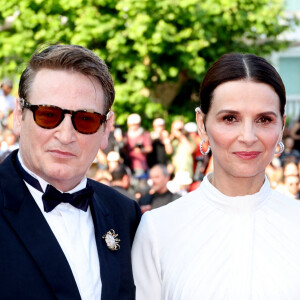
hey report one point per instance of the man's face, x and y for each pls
(134, 127)
(159, 180)
(158, 128)
(6, 89)
(292, 184)
(61, 155)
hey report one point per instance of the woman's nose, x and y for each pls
(248, 133)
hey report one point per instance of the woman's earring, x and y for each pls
(281, 148)
(201, 148)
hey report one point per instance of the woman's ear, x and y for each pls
(283, 125)
(283, 121)
(200, 119)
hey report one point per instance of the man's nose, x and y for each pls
(66, 131)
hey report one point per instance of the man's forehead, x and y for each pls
(156, 171)
(8, 83)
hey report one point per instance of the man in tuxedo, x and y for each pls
(62, 235)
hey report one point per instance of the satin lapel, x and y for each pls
(25, 217)
(109, 260)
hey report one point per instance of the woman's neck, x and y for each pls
(237, 186)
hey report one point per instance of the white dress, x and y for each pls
(206, 245)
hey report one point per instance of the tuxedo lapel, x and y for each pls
(27, 221)
(109, 260)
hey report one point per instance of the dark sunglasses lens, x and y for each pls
(48, 117)
(87, 122)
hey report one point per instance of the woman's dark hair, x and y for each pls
(236, 66)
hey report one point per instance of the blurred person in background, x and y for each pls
(137, 144)
(9, 143)
(121, 181)
(292, 184)
(161, 144)
(289, 170)
(115, 143)
(101, 159)
(103, 176)
(113, 160)
(295, 133)
(7, 100)
(158, 194)
(274, 171)
(115, 139)
(181, 183)
(290, 154)
(200, 160)
(183, 148)
(234, 237)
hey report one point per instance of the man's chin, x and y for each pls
(60, 174)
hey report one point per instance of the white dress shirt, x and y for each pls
(209, 246)
(74, 231)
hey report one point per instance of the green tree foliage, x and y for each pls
(157, 50)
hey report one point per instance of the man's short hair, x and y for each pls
(159, 122)
(134, 119)
(119, 172)
(163, 168)
(72, 58)
(7, 82)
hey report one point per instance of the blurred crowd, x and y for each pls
(158, 166)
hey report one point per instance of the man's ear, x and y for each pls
(201, 125)
(108, 124)
(18, 115)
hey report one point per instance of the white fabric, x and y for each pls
(7, 103)
(74, 231)
(206, 245)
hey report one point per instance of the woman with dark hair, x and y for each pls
(234, 237)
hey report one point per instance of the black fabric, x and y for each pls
(81, 199)
(157, 200)
(158, 154)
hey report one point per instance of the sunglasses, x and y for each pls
(50, 116)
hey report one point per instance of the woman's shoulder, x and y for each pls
(281, 199)
(286, 206)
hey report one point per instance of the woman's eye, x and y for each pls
(229, 119)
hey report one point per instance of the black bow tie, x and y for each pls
(52, 197)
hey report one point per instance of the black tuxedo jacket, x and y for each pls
(32, 263)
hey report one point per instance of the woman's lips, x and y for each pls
(247, 155)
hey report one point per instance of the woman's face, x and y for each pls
(243, 127)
